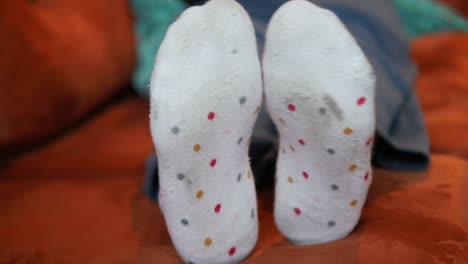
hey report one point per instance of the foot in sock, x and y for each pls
(206, 91)
(319, 90)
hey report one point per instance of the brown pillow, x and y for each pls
(58, 61)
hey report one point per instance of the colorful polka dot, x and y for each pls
(257, 110)
(331, 151)
(180, 176)
(352, 167)
(217, 208)
(211, 116)
(361, 101)
(297, 211)
(301, 142)
(232, 251)
(354, 203)
(240, 140)
(249, 174)
(242, 100)
(347, 131)
(366, 177)
(290, 179)
(208, 242)
(292, 148)
(175, 130)
(291, 107)
(197, 148)
(200, 194)
(184, 222)
(334, 187)
(369, 141)
(281, 120)
(331, 223)
(213, 163)
(305, 174)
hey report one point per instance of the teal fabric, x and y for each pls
(426, 16)
(152, 18)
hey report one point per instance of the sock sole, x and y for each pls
(206, 91)
(319, 90)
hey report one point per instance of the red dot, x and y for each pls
(292, 107)
(211, 116)
(367, 176)
(213, 163)
(217, 208)
(361, 101)
(369, 141)
(297, 211)
(301, 142)
(232, 251)
(305, 174)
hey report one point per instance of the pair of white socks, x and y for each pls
(206, 92)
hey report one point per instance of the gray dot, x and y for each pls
(184, 222)
(322, 110)
(239, 177)
(284, 151)
(180, 176)
(252, 214)
(175, 130)
(234, 51)
(240, 140)
(334, 187)
(331, 151)
(331, 223)
(242, 100)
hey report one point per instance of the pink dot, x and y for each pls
(217, 208)
(305, 174)
(213, 163)
(369, 141)
(301, 142)
(232, 251)
(211, 116)
(292, 107)
(361, 101)
(367, 176)
(297, 211)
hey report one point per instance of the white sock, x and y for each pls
(319, 90)
(206, 91)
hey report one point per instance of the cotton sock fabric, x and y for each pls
(319, 90)
(206, 92)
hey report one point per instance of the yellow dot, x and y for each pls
(292, 148)
(281, 120)
(352, 168)
(290, 179)
(354, 203)
(197, 148)
(347, 131)
(249, 174)
(257, 110)
(208, 242)
(199, 194)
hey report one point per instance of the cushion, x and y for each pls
(60, 59)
